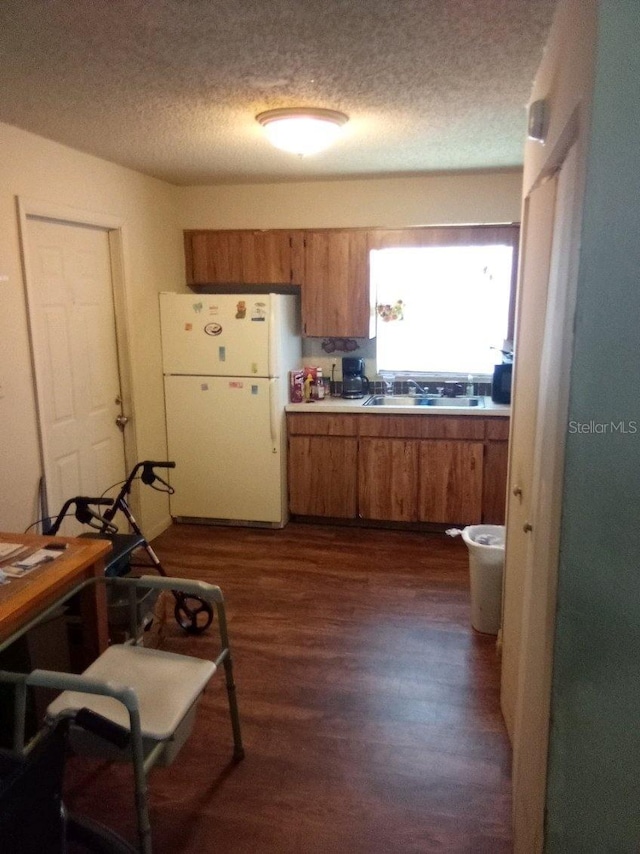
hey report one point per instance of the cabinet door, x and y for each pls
(494, 478)
(212, 257)
(388, 479)
(266, 257)
(450, 482)
(243, 257)
(322, 476)
(494, 483)
(336, 288)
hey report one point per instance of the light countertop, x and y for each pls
(341, 405)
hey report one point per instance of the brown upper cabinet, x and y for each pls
(336, 291)
(243, 257)
(330, 265)
(212, 257)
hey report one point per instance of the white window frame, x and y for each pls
(451, 236)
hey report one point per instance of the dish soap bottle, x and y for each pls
(470, 391)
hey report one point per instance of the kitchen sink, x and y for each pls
(399, 400)
(423, 400)
(456, 402)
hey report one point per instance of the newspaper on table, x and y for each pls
(15, 566)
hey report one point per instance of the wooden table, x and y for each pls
(22, 599)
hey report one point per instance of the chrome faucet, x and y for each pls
(389, 381)
(417, 386)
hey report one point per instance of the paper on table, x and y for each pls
(13, 572)
(9, 549)
(36, 559)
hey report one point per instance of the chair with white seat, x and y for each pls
(148, 697)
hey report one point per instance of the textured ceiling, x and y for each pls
(172, 87)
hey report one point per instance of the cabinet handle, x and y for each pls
(527, 527)
(517, 491)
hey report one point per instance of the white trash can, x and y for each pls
(486, 565)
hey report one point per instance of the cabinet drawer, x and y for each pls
(423, 426)
(321, 425)
(452, 427)
(498, 429)
(392, 426)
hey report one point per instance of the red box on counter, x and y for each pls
(296, 386)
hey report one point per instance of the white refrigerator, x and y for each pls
(226, 359)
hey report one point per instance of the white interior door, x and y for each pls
(537, 231)
(73, 333)
(533, 698)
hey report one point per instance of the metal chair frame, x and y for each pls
(123, 693)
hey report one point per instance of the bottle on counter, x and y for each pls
(308, 389)
(470, 390)
(314, 383)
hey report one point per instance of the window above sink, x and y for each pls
(445, 310)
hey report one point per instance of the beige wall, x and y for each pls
(391, 202)
(34, 168)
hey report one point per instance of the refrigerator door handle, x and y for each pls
(274, 320)
(273, 416)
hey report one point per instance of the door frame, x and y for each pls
(114, 227)
(532, 719)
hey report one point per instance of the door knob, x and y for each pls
(527, 527)
(121, 420)
(517, 491)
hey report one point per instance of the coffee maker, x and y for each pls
(354, 382)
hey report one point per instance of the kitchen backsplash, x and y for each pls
(379, 387)
(331, 363)
(313, 353)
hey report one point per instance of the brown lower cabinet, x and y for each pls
(496, 460)
(450, 480)
(432, 469)
(323, 476)
(414, 480)
(387, 479)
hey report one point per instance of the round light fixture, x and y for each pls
(302, 130)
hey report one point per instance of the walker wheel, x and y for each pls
(193, 614)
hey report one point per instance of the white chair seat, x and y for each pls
(151, 694)
(167, 685)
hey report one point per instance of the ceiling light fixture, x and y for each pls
(302, 130)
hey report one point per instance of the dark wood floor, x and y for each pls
(369, 706)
